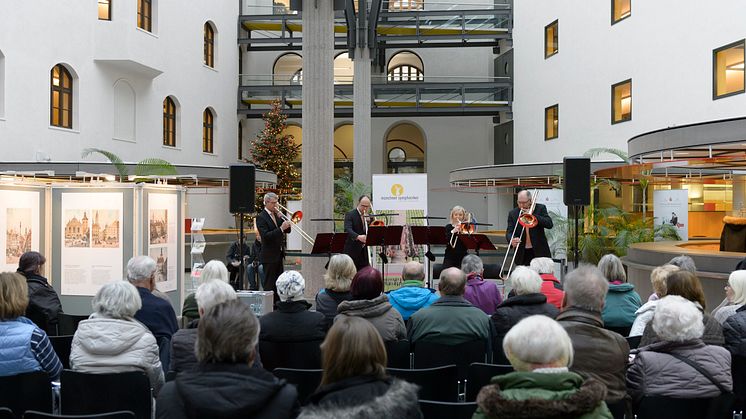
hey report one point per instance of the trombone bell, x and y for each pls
(527, 220)
(377, 223)
(296, 217)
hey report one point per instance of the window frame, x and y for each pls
(614, 86)
(108, 9)
(613, 4)
(546, 129)
(209, 45)
(142, 17)
(169, 118)
(65, 94)
(208, 131)
(556, 35)
(419, 75)
(715, 52)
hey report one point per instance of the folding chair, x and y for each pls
(440, 383)
(306, 381)
(86, 394)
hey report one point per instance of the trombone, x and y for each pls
(294, 219)
(465, 227)
(527, 220)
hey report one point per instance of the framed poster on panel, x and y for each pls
(21, 224)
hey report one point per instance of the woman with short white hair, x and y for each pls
(681, 365)
(213, 269)
(528, 300)
(550, 285)
(540, 351)
(111, 340)
(735, 293)
(337, 280)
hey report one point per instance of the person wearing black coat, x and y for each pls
(533, 243)
(356, 228)
(291, 321)
(44, 307)
(273, 229)
(454, 254)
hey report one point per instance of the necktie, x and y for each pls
(365, 225)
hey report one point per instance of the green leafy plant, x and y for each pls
(145, 167)
(346, 193)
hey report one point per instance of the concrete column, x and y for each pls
(318, 129)
(362, 170)
(739, 195)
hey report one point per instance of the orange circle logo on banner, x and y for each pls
(397, 189)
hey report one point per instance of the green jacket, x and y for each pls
(451, 320)
(190, 309)
(542, 395)
(622, 302)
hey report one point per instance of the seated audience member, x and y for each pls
(213, 269)
(550, 285)
(413, 295)
(337, 281)
(735, 293)
(354, 383)
(208, 295)
(686, 284)
(451, 320)
(224, 385)
(622, 301)
(645, 312)
(156, 313)
(542, 386)
(480, 293)
(667, 368)
(44, 307)
(734, 331)
(291, 321)
(599, 353)
(685, 263)
(528, 300)
(369, 302)
(24, 347)
(111, 340)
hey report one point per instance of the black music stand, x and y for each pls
(328, 243)
(476, 242)
(428, 235)
(384, 236)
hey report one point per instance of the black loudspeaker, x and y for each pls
(242, 188)
(577, 180)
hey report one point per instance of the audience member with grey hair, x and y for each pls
(527, 301)
(666, 368)
(413, 295)
(550, 285)
(292, 320)
(337, 280)
(213, 269)
(599, 353)
(542, 386)
(482, 294)
(622, 301)
(111, 340)
(224, 385)
(685, 263)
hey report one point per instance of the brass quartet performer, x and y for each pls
(533, 243)
(455, 249)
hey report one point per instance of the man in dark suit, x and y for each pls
(534, 244)
(272, 229)
(356, 227)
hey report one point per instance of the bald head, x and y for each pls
(413, 271)
(363, 204)
(452, 282)
(524, 199)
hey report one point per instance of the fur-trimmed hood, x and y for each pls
(400, 402)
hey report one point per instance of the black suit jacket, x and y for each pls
(353, 228)
(273, 239)
(538, 237)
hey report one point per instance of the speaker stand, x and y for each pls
(242, 265)
(576, 249)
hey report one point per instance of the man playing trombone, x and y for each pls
(533, 242)
(356, 227)
(272, 229)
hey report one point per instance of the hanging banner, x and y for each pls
(553, 199)
(19, 220)
(404, 195)
(672, 207)
(162, 238)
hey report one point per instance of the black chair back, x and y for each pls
(299, 355)
(445, 410)
(440, 383)
(306, 381)
(62, 346)
(29, 391)
(122, 414)
(624, 331)
(86, 394)
(633, 341)
(6, 413)
(68, 323)
(479, 375)
(399, 354)
(429, 355)
(738, 369)
(672, 408)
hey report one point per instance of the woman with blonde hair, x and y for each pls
(354, 383)
(454, 254)
(645, 313)
(337, 280)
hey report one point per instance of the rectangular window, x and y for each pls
(551, 122)
(551, 39)
(621, 101)
(104, 9)
(145, 15)
(727, 67)
(620, 10)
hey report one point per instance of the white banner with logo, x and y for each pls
(400, 192)
(553, 199)
(672, 207)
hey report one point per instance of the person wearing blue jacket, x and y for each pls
(413, 295)
(622, 301)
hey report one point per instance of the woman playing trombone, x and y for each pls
(455, 249)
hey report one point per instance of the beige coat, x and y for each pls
(378, 311)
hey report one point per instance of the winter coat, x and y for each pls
(327, 302)
(734, 331)
(482, 294)
(44, 307)
(644, 315)
(227, 391)
(106, 345)
(411, 297)
(551, 287)
(292, 322)
(542, 395)
(512, 310)
(654, 372)
(363, 398)
(183, 355)
(449, 321)
(713, 332)
(156, 314)
(599, 353)
(190, 309)
(621, 304)
(725, 312)
(378, 311)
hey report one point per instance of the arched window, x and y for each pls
(169, 122)
(207, 131)
(405, 149)
(61, 103)
(405, 66)
(145, 15)
(209, 46)
(288, 68)
(344, 69)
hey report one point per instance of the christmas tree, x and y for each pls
(275, 151)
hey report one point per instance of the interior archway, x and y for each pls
(405, 149)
